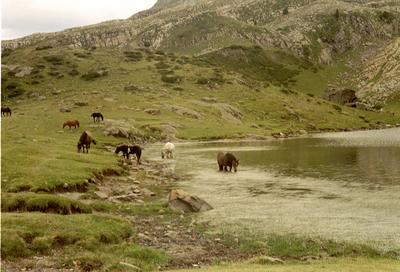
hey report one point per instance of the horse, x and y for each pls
(84, 141)
(167, 151)
(97, 116)
(5, 111)
(127, 149)
(227, 160)
(71, 123)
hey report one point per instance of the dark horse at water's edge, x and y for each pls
(97, 116)
(226, 161)
(129, 149)
(71, 123)
(5, 111)
(84, 141)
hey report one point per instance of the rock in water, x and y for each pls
(180, 200)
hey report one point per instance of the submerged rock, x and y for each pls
(180, 200)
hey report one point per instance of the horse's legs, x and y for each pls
(221, 167)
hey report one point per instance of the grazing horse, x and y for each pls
(5, 111)
(71, 123)
(97, 116)
(129, 149)
(167, 151)
(137, 150)
(84, 142)
(227, 160)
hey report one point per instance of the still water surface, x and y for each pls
(343, 186)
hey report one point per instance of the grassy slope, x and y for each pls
(39, 156)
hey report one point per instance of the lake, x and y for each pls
(343, 186)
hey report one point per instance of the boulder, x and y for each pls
(118, 128)
(81, 104)
(342, 97)
(65, 109)
(182, 201)
(184, 111)
(152, 111)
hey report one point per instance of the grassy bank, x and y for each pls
(330, 265)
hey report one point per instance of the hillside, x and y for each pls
(323, 32)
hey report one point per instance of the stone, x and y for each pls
(152, 111)
(182, 201)
(65, 109)
(147, 192)
(81, 104)
(126, 198)
(101, 195)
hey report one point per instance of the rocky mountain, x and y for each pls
(319, 31)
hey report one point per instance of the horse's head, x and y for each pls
(79, 146)
(235, 164)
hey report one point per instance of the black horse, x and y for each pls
(129, 149)
(97, 116)
(5, 111)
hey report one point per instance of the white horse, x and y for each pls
(167, 150)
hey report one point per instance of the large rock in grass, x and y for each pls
(118, 128)
(182, 201)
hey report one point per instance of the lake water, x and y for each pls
(343, 186)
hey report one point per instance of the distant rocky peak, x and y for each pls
(170, 3)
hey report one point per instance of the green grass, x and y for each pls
(30, 202)
(330, 265)
(91, 241)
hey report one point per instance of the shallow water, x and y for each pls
(344, 186)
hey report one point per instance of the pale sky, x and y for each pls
(23, 17)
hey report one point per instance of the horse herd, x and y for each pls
(226, 161)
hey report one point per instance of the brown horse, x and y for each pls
(71, 123)
(5, 111)
(84, 142)
(227, 160)
(129, 149)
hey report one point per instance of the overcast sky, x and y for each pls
(23, 17)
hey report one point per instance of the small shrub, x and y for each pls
(43, 47)
(92, 75)
(14, 246)
(202, 81)
(90, 262)
(133, 55)
(171, 79)
(82, 55)
(162, 65)
(55, 60)
(337, 108)
(73, 72)
(285, 11)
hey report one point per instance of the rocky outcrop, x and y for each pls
(184, 111)
(182, 201)
(119, 128)
(229, 113)
(343, 96)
